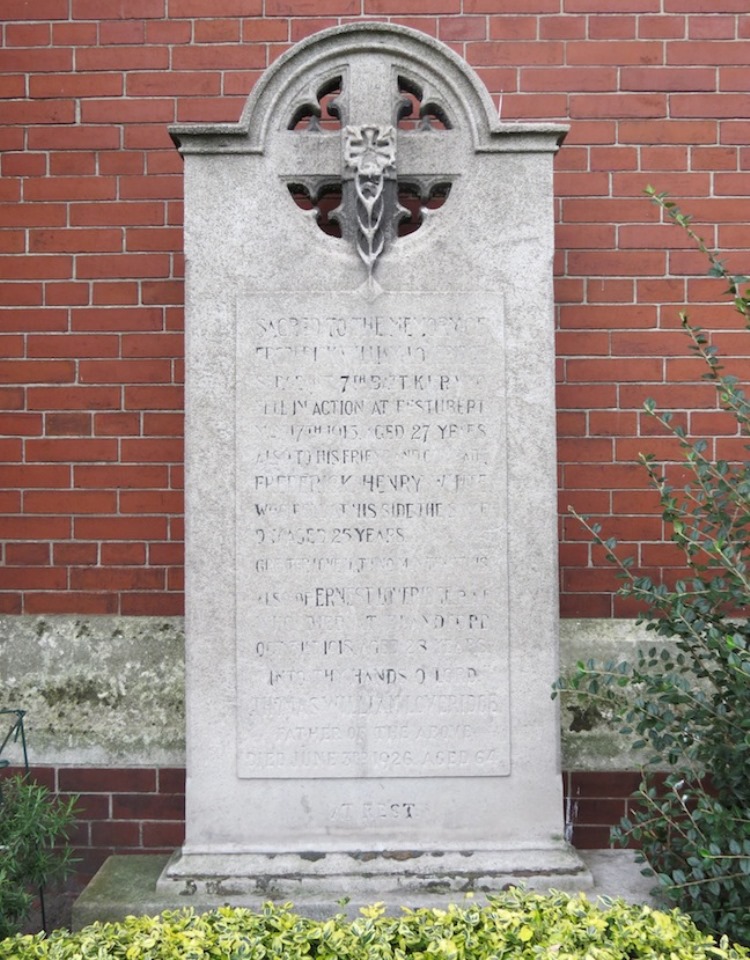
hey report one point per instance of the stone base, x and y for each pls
(127, 885)
(402, 876)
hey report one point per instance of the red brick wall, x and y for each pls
(656, 91)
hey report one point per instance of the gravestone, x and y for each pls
(371, 620)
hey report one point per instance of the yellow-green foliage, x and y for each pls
(516, 925)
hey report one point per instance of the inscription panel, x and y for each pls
(372, 636)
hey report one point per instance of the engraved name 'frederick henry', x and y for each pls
(371, 521)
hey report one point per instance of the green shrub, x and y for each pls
(689, 702)
(516, 925)
(31, 823)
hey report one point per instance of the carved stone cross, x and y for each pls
(383, 150)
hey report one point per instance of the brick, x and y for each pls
(70, 345)
(120, 528)
(166, 553)
(211, 110)
(534, 106)
(22, 425)
(69, 502)
(76, 85)
(717, 105)
(512, 28)
(152, 605)
(164, 833)
(614, 104)
(219, 8)
(163, 424)
(32, 215)
(116, 293)
(27, 34)
(145, 110)
(164, 161)
(73, 450)
(613, 369)
(117, 424)
(121, 476)
(18, 59)
(572, 79)
(586, 396)
(612, 28)
(148, 450)
(671, 158)
(24, 294)
(124, 371)
(37, 371)
(122, 833)
(37, 111)
(66, 294)
(73, 138)
(130, 162)
(120, 554)
(625, 263)
(72, 164)
(67, 424)
(134, 806)
(122, 58)
(36, 528)
(144, 188)
(74, 241)
(662, 27)
(642, 236)
(132, 213)
(705, 6)
(694, 52)
(512, 6)
(168, 32)
(713, 158)
(34, 578)
(71, 188)
(122, 32)
(584, 236)
(154, 239)
(24, 165)
(11, 603)
(27, 554)
(25, 475)
(216, 31)
(12, 241)
(35, 267)
(669, 396)
(151, 501)
(74, 398)
(223, 57)
(668, 79)
(12, 398)
(174, 84)
(462, 28)
(116, 578)
(91, 267)
(512, 52)
(712, 28)
(585, 449)
(154, 398)
(615, 52)
(163, 291)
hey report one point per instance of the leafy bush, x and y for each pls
(689, 702)
(514, 926)
(31, 823)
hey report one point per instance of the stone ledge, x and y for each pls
(126, 885)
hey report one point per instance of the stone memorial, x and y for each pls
(371, 587)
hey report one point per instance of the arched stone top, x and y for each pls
(338, 57)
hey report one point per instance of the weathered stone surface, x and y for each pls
(97, 690)
(371, 617)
